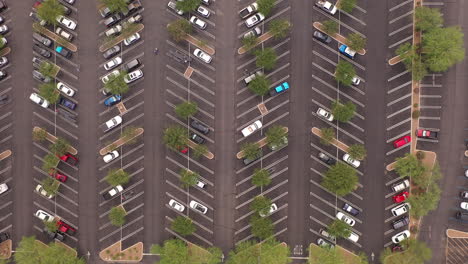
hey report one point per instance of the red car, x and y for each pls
(69, 158)
(402, 141)
(424, 133)
(57, 175)
(184, 150)
(65, 228)
(400, 197)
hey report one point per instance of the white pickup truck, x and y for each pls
(112, 192)
(250, 9)
(400, 186)
(326, 6)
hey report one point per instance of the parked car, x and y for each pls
(2, 19)
(113, 63)
(254, 20)
(173, 6)
(203, 11)
(464, 205)
(425, 133)
(40, 190)
(57, 175)
(345, 50)
(112, 20)
(251, 128)
(133, 76)
(43, 52)
(252, 76)
(39, 100)
(323, 243)
(353, 237)
(327, 235)
(462, 216)
(197, 138)
(67, 103)
(106, 78)
(69, 158)
(199, 23)
(400, 185)
(67, 22)
(44, 216)
(63, 51)
(200, 184)
(400, 223)
(3, 188)
(111, 123)
(65, 89)
(355, 163)
(112, 100)
(3, 75)
(254, 32)
(111, 156)
(324, 114)
(105, 11)
(65, 228)
(199, 126)
(322, 37)
(132, 39)
(279, 89)
(464, 194)
(351, 210)
(3, 29)
(112, 192)
(206, 2)
(400, 236)
(134, 19)
(202, 55)
(348, 220)
(401, 197)
(400, 209)
(71, 2)
(326, 6)
(176, 205)
(45, 41)
(355, 81)
(54, 235)
(64, 34)
(327, 159)
(248, 10)
(40, 77)
(401, 141)
(4, 236)
(131, 65)
(3, 5)
(111, 52)
(247, 161)
(283, 143)
(3, 61)
(113, 30)
(198, 207)
(273, 208)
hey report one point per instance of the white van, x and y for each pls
(353, 237)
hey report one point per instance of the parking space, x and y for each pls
(324, 205)
(125, 57)
(270, 111)
(60, 120)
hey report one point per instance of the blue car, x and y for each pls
(345, 50)
(67, 103)
(63, 51)
(113, 100)
(279, 89)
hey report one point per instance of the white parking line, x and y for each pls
(268, 167)
(406, 84)
(253, 187)
(339, 22)
(264, 193)
(321, 187)
(195, 222)
(400, 17)
(353, 17)
(334, 206)
(400, 42)
(119, 230)
(399, 124)
(191, 82)
(397, 149)
(429, 117)
(399, 99)
(189, 196)
(330, 216)
(332, 100)
(55, 126)
(409, 26)
(398, 75)
(274, 235)
(285, 102)
(400, 5)
(183, 100)
(399, 136)
(277, 198)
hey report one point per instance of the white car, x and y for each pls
(400, 209)
(65, 89)
(44, 216)
(351, 161)
(273, 209)
(176, 205)
(401, 236)
(198, 206)
(3, 61)
(39, 100)
(66, 22)
(252, 128)
(254, 32)
(345, 219)
(202, 55)
(111, 156)
(132, 39)
(198, 22)
(324, 114)
(3, 188)
(203, 11)
(172, 5)
(464, 205)
(64, 34)
(106, 77)
(466, 173)
(254, 20)
(40, 190)
(201, 184)
(113, 63)
(353, 237)
(356, 81)
(133, 76)
(4, 41)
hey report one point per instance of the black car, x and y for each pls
(462, 216)
(4, 236)
(67, 103)
(200, 127)
(400, 223)
(327, 159)
(43, 52)
(111, 52)
(3, 75)
(197, 139)
(322, 37)
(54, 235)
(351, 210)
(3, 6)
(4, 99)
(112, 20)
(131, 65)
(464, 194)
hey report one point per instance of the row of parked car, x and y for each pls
(3, 29)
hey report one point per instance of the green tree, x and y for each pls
(409, 166)
(419, 70)
(249, 42)
(50, 185)
(129, 134)
(265, 6)
(261, 204)
(266, 58)
(200, 150)
(357, 151)
(328, 134)
(275, 135)
(343, 112)
(188, 178)
(49, 10)
(29, 251)
(340, 179)
(175, 137)
(51, 226)
(363, 258)
(186, 109)
(442, 48)
(48, 92)
(179, 29)
(344, 73)
(244, 252)
(117, 216)
(427, 18)
(47, 69)
(183, 225)
(330, 27)
(173, 251)
(50, 161)
(424, 202)
(188, 5)
(261, 178)
(117, 84)
(407, 54)
(416, 252)
(269, 251)
(59, 147)
(261, 227)
(260, 85)
(117, 177)
(280, 28)
(339, 228)
(326, 256)
(356, 41)
(347, 5)
(2, 44)
(39, 135)
(116, 5)
(251, 150)
(129, 29)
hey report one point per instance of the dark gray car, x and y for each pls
(322, 37)
(43, 52)
(45, 41)
(111, 52)
(40, 77)
(200, 127)
(400, 222)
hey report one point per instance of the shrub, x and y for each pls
(179, 29)
(117, 216)
(186, 109)
(415, 114)
(260, 85)
(39, 135)
(266, 58)
(330, 27)
(261, 177)
(183, 225)
(188, 178)
(117, 177)
(328, 134)
(60, 147)
(251, 150)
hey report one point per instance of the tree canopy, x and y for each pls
(179, 29)
(183, 225)
(29, 251)
(49, 10)
(188, 178)
(409, 166)
(265, 6)
(343, 112)
(251, 150)
(261, 177)
(280, 28)
(117, 177)
(339, 228)
(427, 18)
(260, 85)
(340, 179)
(266, 58)
(268, 252)
(187, 5)
(344, 73)
(186, 109)
(416, 252)
(442, 48)
(116, 84)
(175, 137)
